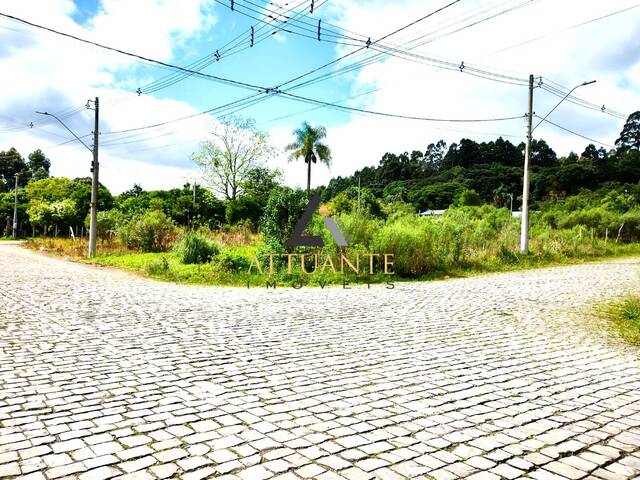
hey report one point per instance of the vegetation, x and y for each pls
(583, 207)
(624, 316)
(308, 145)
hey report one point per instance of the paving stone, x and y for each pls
(469, 378)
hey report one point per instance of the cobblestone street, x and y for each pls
(103, 375)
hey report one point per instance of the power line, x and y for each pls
(135, 55)
(571, 27)
(574, 132)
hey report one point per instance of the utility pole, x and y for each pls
(358, 193)
(193, 208)
(95, 168)
(15, 210)
(524, 217)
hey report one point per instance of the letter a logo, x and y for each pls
(299, 239)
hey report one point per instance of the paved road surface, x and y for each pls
(106, 375)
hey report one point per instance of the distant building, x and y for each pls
(432, 212)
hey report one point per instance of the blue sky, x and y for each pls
(56, 74)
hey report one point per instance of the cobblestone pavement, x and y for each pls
(104, 375)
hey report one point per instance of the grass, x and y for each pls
(624, 316)
(167, 266)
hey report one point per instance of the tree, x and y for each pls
(259, 183)
(39, 165)
(237, 148)
(11, 162)
(630, 135)
(308, 145)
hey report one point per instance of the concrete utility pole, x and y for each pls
(15, 211)
(524, 217)
(95, 168)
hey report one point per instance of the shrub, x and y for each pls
(195, 248)
(157, 266)
(283, 210)
(243, 209)
(233, 263)
(151, 231)
(108, 222)
(411, 239)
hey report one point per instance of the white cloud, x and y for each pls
(46, 74)
(606, 51)
(53, 73)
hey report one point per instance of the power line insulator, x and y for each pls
(232, 5)
(138, 91)
(252, 36)
(602, 108)
(217, 56)
(30, 124)
(461, 67)
(311, 6)
(319, 22)
(368, 42)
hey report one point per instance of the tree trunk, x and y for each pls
(309, 178)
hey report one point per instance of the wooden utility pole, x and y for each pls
(524, 214)
(95, 168)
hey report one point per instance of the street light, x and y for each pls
(70, 131)
(524, 216)
(562, 100)
(94, 170)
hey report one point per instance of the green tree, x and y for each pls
(630, 136)
(39, 165)
(12, 163)
(260, 182)
(308, 145)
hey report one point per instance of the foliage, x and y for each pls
(624, 315)
(150, 231)
(194, 247)
(630, 136)
(232, 262)
(236, 149)
(308, 145)
(243, 208)
(284, 208)
(107, 222)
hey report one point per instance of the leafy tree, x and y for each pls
(242, 209)
(49, 189)
(236, 149)
(39, 165)
(11, 162)
(630, 136)
(468, 198)
(308, 145)
(260, 182)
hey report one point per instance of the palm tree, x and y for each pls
(308, 145)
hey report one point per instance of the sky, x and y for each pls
(510, 39)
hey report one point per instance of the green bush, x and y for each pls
(243, 209)
(158, 266)
(232, 263)
(195, 248)
(150, 231)
(108, 222)
(283, 210)
(412, 241)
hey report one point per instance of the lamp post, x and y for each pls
(94, 179)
